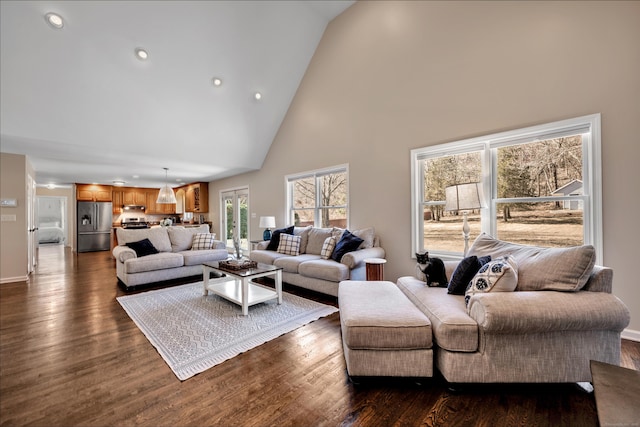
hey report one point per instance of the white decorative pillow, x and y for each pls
(328, 247)
(202, 241)
(289, 244)
(366, 234)
(499, 275)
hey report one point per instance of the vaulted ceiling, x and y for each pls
(84, 108)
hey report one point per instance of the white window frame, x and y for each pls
(317, 174)
(588, 126)
(235, 193)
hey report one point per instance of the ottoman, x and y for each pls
(383, 333)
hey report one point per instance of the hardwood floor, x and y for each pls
(70, 355)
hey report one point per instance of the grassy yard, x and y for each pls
(549, 228)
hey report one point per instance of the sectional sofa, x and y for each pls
(164, 253)
(553, 313)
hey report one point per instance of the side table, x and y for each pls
(375, 268)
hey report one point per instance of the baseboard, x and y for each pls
(630, 334)
(13, 279)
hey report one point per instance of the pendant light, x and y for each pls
(166, 194)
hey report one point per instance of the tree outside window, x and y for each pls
(534, 181)
(319, 198)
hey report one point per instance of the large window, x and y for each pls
(540, 186)
(319, 198)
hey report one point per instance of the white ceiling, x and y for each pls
(83, 108)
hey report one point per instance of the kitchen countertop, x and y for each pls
(180, 224)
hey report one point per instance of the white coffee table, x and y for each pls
(238, 286)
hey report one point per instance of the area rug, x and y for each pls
(193, 332)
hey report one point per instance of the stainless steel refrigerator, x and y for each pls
(94, 226)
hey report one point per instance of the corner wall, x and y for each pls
(13, 234)
(390, 76)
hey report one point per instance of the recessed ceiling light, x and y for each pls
(257, 96)
(141, 54)
(54, 20)
(136, 176)
(51, 186)
(119, 183)
(216, 81)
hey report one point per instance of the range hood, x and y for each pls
(133, 207)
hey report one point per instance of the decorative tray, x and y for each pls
(237, 265)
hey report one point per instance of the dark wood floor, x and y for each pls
(69, 355)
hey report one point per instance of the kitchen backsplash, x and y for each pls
(198, 218)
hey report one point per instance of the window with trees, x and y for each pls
(541, 187)
(319, 198)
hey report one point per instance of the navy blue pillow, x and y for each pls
(348, 243)
(143, 247)
(464, 272)
(275, 238)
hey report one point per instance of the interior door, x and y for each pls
(235, 217)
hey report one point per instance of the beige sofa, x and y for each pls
(560, 316)
(308, 269)
(175, 259)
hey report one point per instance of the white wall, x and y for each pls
(390, 76)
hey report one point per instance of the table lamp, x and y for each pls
(267, 222)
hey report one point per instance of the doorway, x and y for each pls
(235, 217)
(51, 220)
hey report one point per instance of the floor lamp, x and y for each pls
(463, 198)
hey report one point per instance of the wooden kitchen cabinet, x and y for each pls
(117, 196)
(93, 193)
(197, 197)
(134, 196)
(151, 197)
(168, 208)
(158, 208)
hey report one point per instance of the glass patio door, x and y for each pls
(235, 218)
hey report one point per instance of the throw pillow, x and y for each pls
(289, 244)
(542, 269)
(328, 247)
(499, 275)
(202, 241)
(275, 238)
(464, 272)
(143, 247)
(366, 234)
(348, 243)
